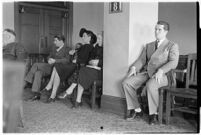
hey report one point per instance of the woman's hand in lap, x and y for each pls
(71, 52)
(94, 62)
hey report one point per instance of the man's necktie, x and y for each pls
(156, 45)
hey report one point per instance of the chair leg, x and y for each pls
(99, 102)
(172, 105)
(93, 96)
(168, 107)
(77, 81)
(161, 106)
(75, 94)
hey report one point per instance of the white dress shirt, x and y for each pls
(160, 42)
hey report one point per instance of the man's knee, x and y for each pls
(128, 85)
(35, 65)
(38, 73)
(125, 82)
(151, 84)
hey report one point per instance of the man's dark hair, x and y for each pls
(165, 24)
(60, 37)
(11, 31)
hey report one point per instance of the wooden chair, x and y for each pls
(173, 82)
(142, 98)
(187, 92)
(96, 93)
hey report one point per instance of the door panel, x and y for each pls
(30, 32)
(38, 26)
(53, 26)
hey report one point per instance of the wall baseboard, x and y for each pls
(113, 104)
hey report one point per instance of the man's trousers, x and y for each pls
(131, 85)
(36, 73)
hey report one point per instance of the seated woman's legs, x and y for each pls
(68, 91)
(79, 93)
(56, 83)
(50, 83)
(80, 90)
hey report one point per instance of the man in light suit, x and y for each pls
(156, 59)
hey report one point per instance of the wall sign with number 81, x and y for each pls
(115, 7)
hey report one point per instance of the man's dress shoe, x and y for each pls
(153, 119)
(44, 91)
(76, 105)
(50, 100)
(36, 97)
(134, 115)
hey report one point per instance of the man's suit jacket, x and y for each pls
(165, 57)
(62, 56)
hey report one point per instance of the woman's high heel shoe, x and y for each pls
(63, 95)
(50, 100)
(44, 91)
(76, 105)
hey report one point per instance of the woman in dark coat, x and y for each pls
(62, 72)
(88, 74)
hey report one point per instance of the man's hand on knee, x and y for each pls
(132, 71)
(158, 75)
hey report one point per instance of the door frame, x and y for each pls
(69, 23)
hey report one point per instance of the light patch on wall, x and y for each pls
(8, 15)
(141, 27)
(87, 15)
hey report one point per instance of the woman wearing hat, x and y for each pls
(88, 74)
(61, 72)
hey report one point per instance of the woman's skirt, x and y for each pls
(88, 75)
(65, 70)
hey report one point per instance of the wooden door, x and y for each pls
(30, 29)
(38, 26)
(52, 26)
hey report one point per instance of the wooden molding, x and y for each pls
(43, 6)
(116, 105)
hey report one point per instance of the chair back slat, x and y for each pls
(191, 77)
(195, 78)
(174, 83)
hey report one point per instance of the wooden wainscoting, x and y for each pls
(116, 105)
